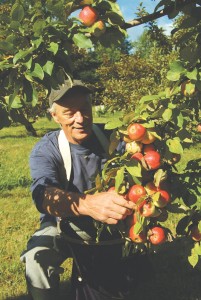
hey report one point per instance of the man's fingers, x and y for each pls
(123, 202)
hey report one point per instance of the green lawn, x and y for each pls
(174, 278)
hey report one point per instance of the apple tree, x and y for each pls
(36, 42)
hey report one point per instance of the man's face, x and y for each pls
(74, 115)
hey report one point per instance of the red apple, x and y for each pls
(148, 209)
(163, 199)
(199, 128)
(153, 159)
(137, 156)
(132, 219)
(148, 138)
(157, 235)
(137, 238)
(164, 196)
(148, 147)
(150, 188)
(88, 15)
(136, 131)
(136, 192)
(99, 28)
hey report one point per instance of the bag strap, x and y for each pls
(64, 148)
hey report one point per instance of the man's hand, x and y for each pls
(107, 207)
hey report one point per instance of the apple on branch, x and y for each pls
(159, 196)
(136, 192)
(148, 138)
(136, 131)
(148, 147)
(199, 128)
(148, 209)
(153, 160)
(98, 28)
(137, 237)
(133, 147)
(157, 235)
(88, 15)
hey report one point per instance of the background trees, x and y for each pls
(38, 41)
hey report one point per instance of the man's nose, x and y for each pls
(79, 117)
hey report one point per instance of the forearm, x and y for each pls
(62, 204)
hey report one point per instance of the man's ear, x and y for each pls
(55, 117)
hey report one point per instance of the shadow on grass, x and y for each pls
(40, 133)
(64, 290)
(174, 278)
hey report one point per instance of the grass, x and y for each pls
(173, 278)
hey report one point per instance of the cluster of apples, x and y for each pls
(139, 142)
(150, 200)
(150, 203)
(90, 18)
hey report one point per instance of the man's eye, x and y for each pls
(69, 115)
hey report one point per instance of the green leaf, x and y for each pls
(149, 98)
(6, 46)
(190, 54)
(54, 47)
(128, 118)
(34, 97)
(114, 18)
(16, 103)
(159, 176)
(82, 41)
(22, 54)
(193, 258)
(174, 146)
(28, 64)
(167, 114)
(37, 72)
(119, 178)
(138, 227)
(176, 70)
(17, 12)
(134, 168)
(114, 141)
(15, 25)
(37, 42)
(193, 75)
(113, 124)
(197, 248)
(180, 120)
(48, 67)
(199, 226)
(38, 27)
(115, 8)
(112, 36)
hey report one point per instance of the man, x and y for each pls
(97, 272)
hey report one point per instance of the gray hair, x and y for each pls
(52, 109)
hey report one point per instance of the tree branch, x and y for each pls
(158, 14)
